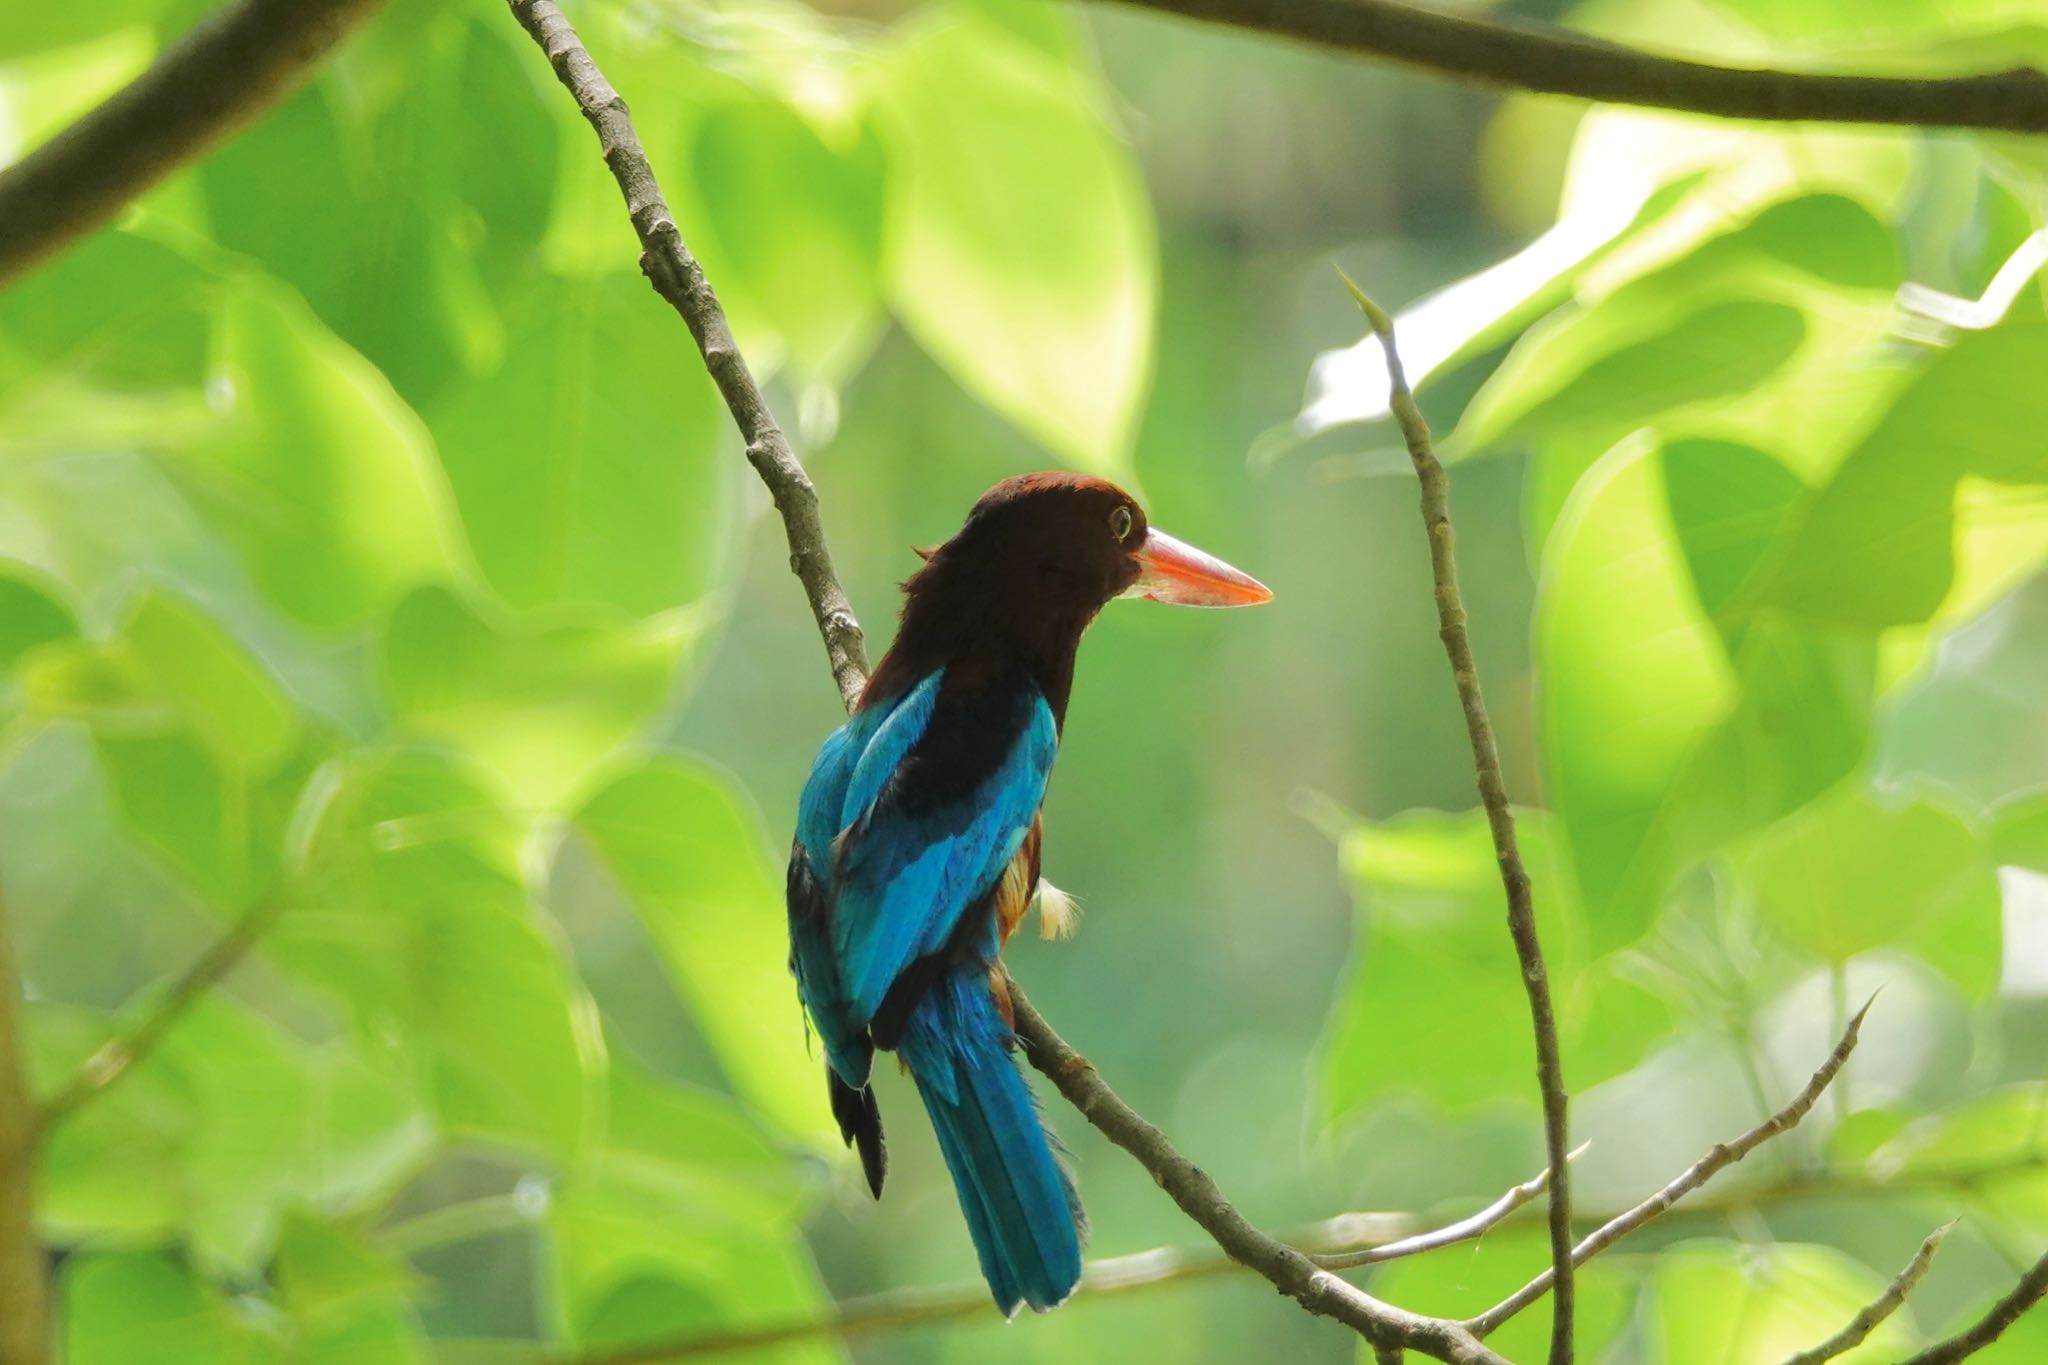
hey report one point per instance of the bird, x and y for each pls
(918, 842)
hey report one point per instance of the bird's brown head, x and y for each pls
(1038, 557)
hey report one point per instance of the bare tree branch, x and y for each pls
(1189, 1186)
(677, 277)
(1719, 1157)
(231, 67)
(1553, 61)
(24, 1290)
(113, 1059)
(1159, 1267)
(1880, 1308)
(1464, 1230)
(1493, 795)
(2033, 1286)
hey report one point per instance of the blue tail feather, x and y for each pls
(1021, 1207)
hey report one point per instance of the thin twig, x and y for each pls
(1554, 61)
(1880, 1308)
(1718, 1157)
(1189, 1186)
(1464, 1230)
(24, 1291)
(2031, 1289)
(1493, 795)
(115, 1057)
(677, 277)
(231, 67)
(1160, 1267)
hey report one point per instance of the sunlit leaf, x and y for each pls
(595, 464)
(413, 919)
(539, 706)
(1433, 1003)
(1852, 872)
(120, 1307)
(631, 1261)
(694, 860)
(807, 274)
(30, 615)
(1022, 251)
(1715, 1301)
(1875, 546)
(321, 477)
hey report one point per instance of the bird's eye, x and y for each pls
(1120, 522)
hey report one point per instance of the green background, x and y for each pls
(373, 547)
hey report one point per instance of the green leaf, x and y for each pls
(1022, 252)
(146, 1305)
(1558, 383)
(52, 26)
(230, 702)
(1634, 679)
(1747, 329)
(415, 921)
(1850, 873)
(1996, 1141)
(1433, 952)
(327, 1275)
(1666, 729)
(807, 274)
(211, 1134)
(539, 706)
(408, 130)
(1714, 1301)
(1461, 1281)
(631, 1260)
(30, 615)
(1876, 546)
(595, 464)
(320, 475)
(693, 859)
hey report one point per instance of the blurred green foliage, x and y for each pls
(373, 547)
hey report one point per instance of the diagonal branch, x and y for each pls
(1464, 1230)
(1554, 61)
(2031, 1289)
(1719, 1157)
(113, 1059)
(231, 67)
(1493, 795)
(1879, 1308)
(1189, 1186)
(677, 277)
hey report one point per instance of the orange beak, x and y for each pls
(1176, 572)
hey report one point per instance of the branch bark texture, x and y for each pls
(1717, 1159)
(677, 277)
(1878, 1309)
(1493, 795)
(24, 1293)
(231, 67)
(1188, 1185)
(1554, 61)
(2031, 1289)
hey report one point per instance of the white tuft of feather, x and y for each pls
(1059, 914)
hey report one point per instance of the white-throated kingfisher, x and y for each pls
(917, 845)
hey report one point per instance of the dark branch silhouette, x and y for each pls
(231, 67)
(1553, 61)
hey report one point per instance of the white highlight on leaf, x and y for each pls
(2023, 893)
(1990, 308)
